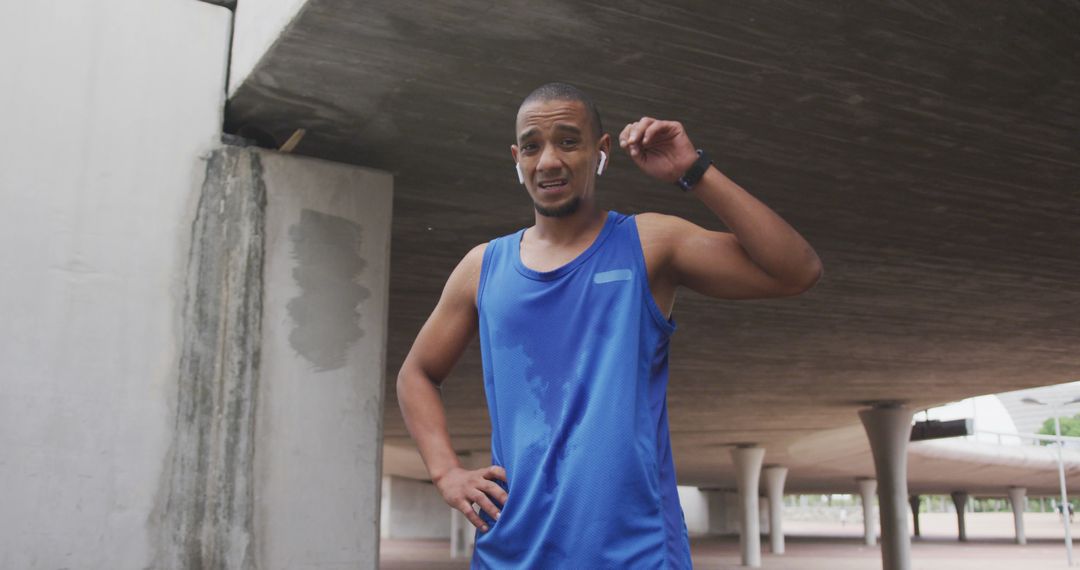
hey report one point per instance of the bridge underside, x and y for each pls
(928, 151)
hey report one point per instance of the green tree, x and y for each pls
(1069, 427)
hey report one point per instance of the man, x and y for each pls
(573, 315)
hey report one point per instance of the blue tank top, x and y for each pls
(575, 373)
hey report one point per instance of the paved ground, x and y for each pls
(831, 546)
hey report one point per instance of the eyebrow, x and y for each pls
(564, 127)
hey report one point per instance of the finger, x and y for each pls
(485, 503)
(624, 136)
(496, 472)
(639, 128)
(496, 492)
(657, 131)
(466, 509)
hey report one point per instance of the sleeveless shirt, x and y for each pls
(575, 367)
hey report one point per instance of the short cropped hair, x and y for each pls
(565, 92)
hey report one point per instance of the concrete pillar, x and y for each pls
(322, 358)
(775, 476)
(285, 319)
(888, 427)
(96, 232)
(915, 500)
(1018, 500)
(747, 461)
(462, 532)
(960, 500)
(867, 489)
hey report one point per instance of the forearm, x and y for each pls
(425, 418)
(770, 242)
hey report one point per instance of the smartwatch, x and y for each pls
(695, 172)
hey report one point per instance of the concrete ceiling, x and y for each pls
(929, 151)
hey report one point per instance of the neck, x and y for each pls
(569, 228)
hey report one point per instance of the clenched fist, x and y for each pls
(461, 488)
(661, 149)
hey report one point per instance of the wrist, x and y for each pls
(695, 172)
(437, 474)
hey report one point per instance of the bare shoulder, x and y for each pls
(475, 258)
(666, 233)
(661, 235)
(653, 225)
(465, 279)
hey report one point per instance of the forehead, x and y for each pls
(550, 114)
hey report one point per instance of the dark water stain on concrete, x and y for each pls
(326, 249)
(203, 518)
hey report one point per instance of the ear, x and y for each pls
(605, 147)
(605, 144)
(517, 165)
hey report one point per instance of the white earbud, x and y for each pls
(521, 177)
(603, 161)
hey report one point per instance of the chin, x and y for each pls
(559, 210)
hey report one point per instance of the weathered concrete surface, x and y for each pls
(207, 499)
(927, 150)
(108, 107)
(320, 400)
(275, 460)
(258, 25)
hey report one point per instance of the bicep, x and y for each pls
(715, 264)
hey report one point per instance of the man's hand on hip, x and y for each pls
(461, 488)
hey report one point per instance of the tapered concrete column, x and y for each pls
(462, 532)
(959, 499)
(867, 489)
(775, 476)
(1018, 500)
(914, 501)
(747, 461)
(888, 428)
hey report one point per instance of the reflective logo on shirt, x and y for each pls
(613, 275)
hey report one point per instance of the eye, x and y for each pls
(569, 142)
(529, 148)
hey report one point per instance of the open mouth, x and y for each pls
(553, 185)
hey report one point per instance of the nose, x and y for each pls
(549, 160)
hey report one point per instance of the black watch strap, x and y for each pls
(695, 172)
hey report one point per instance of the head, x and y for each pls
(559, 141)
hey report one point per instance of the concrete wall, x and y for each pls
(695, 506)
(258, 25)
(413, 509)
(108, 107)
(323, 360)
(723, 512)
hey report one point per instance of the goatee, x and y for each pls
(559, 211)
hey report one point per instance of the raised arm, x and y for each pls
(436, 350)
(762, 257)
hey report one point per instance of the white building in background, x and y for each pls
(992, 421)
